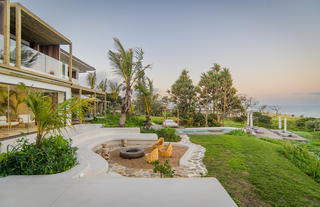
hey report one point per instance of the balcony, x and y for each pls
(36, 61)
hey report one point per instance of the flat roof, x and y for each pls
(35, 29)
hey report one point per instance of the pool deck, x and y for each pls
(89, 184)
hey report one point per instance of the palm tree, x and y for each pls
(91, 77)
(50, 118)
(103, 85)
(114, 92)
(128, 65)
(148, 97)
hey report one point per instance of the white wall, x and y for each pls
(15, 80)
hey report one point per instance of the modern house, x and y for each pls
(30, 52)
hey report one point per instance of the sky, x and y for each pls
(271, 47)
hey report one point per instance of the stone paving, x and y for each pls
(193, 168)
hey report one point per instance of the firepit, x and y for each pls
(131, 152)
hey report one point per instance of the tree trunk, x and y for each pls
(122, 120)
(224, 109)
(207, 115)
(148, 121)
(124, 108)
(38, 141)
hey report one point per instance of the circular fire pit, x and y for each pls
(132, 152)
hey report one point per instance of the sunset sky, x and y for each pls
(271, 47)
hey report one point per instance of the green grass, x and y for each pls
(255, 173)
(230, 123)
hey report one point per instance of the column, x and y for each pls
(251, 119)
(80, 94)
(285, 125)
(280, 122)
(6, 32)
(248, 119)
(18, 36)
(70, 62)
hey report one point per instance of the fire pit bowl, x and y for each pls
(131, 152)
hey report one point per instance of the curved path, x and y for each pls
(88, 184)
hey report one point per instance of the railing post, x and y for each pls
(6, 32)
(70, 62)
(18, 36)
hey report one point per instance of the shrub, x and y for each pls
(313, 124)
(303, 159)
(54, 155)
(164, 170)
(241, 118)
(169, 134)
(301, 123)
(238, 132)
(262, 120)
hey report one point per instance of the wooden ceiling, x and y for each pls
(34, 29)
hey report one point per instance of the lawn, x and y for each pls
(230, 123)
(255, 173)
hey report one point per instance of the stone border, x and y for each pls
(191, 164)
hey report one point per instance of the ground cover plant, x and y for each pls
(54, 155)
(164, 169)
(255, 173)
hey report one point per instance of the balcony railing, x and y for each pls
(36, 61)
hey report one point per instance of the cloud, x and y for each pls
(315, 93)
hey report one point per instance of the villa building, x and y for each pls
(30, 52)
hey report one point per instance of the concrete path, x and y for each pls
(113, 192)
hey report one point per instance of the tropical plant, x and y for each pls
(91, 78)
(54, 155)
(103, 85)
(164, 169)
(148, 97)
(115, 89)
(128, 65)
(51, 118)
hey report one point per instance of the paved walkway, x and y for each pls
(113, 192)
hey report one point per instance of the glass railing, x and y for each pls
(34, 60)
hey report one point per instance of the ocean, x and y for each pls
(307, 110)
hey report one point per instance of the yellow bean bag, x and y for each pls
(159, 143)
(166, 152)
(152, 156)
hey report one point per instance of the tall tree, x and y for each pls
(91, 78)
(128, 65)
(148, 97)
(183, 93)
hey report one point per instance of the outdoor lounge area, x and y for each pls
(94, 172)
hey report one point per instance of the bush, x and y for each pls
(169, 134)
(241, 118)
(303, 159)
(54, 155)
(313, 124)
(301, 123)
(112, 121)
(164, 170)
(238, 132)
(262, 120)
